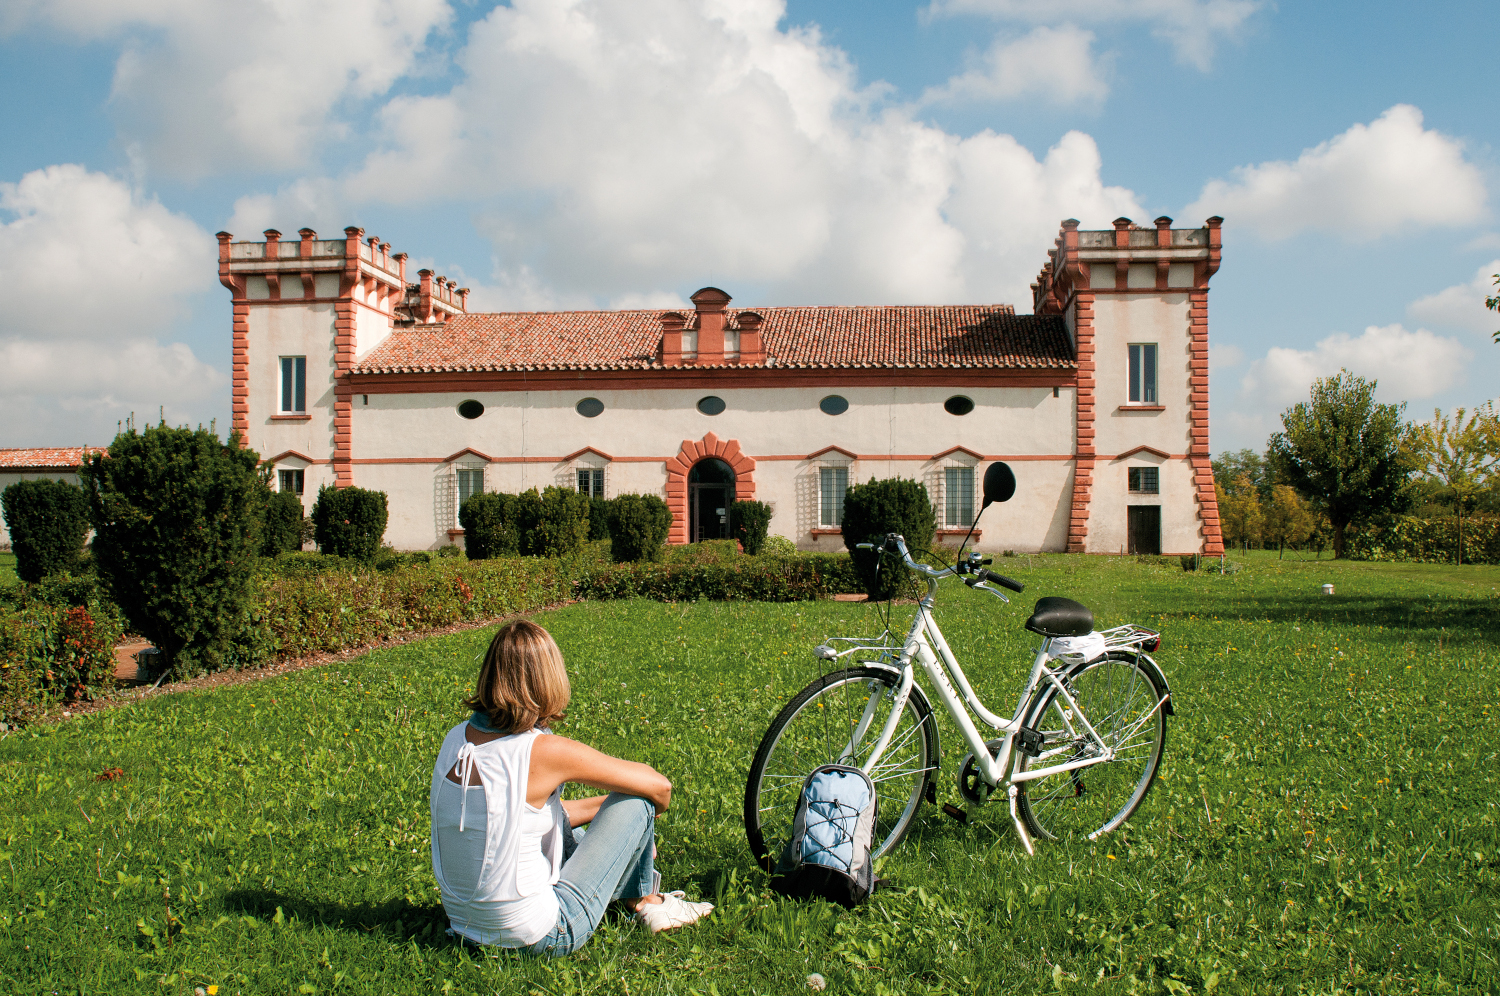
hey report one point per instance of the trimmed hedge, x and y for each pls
(638, 526)
(349, 522)
(871, 510)
(550, 523)
(488, 520)
(749, 521)
(598, 519)
(1426, 541)
(281, 530)
(318, 611)
(47, 521)
(762, 579)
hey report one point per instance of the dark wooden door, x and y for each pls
(1143, 528)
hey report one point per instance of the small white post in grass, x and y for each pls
(1328, 589)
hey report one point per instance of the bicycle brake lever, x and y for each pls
(864, 546)
(981, 586)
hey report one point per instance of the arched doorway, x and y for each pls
(710, 491)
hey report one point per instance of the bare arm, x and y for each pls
(555, 760)
(581, 812)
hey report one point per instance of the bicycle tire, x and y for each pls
(1122, 700)
(825, 707)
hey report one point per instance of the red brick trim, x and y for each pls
(828, 531)
(1208, 502)
(1145, 449)
(958, 449)
(455, 456)
(291, 453)
(692, 453)
(1141, 408)
(343, 352)
(1083, 470)
(291, 418)
(591, 449)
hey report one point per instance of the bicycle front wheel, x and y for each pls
(1122, 701)
(837, 720)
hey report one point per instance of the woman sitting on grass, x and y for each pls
(503, 849)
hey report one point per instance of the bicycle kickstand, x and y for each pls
(1020, 825)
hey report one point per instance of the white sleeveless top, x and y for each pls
(495, 857)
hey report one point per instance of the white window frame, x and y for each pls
(831, 496)
(295, 475)
(595, 478)
(464, 477)
(292, 387)
(958, 497)
(1142, 374)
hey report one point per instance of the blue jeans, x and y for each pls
(612, 861)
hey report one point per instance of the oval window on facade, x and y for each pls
(470, 409)
(711, 405)
(589, 407)
(958, 405)
(833, 405)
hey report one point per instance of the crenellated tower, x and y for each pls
(304, 312)
(1135, 301)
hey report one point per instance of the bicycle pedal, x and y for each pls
(1030, 742)
(955, 812)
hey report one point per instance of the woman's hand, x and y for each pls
(555, 760)
(581, 812)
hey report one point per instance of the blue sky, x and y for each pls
(596, 154)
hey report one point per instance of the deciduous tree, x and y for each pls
(1344, 451)
(1461, 456)
(1287, 519)
(1240, 513)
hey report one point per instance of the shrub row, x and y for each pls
(1426, 541)
(760, 579)
(57, 641)
(550, 523)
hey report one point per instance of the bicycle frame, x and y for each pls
(925, 644)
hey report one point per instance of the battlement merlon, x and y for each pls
(1128, 258)
(292, 271)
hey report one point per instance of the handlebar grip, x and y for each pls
(1004, 581)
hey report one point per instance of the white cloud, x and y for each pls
(1462, 306)
(1193, 27)
(1371, 180)
(202, 88)
(1409, 365)
(611, 148)
(105, 274)
(1056, 65)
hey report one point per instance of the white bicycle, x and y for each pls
(1075, 758)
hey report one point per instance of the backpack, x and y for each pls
(828, 855)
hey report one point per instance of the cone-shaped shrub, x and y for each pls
(176, 524)
(749, 521)
(282, 529)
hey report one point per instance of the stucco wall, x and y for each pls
(275, 331)
(402, 444)
(1121, 427)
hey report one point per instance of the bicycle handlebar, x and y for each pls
(896, 543)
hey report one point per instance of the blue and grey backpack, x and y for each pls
(828, 855)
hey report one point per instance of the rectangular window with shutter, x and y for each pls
(1145, 480)
(290, 480)
(293, 385)
(1143, 373)
(834, 481)
(470, 482)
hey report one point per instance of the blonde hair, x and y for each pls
(523, 682)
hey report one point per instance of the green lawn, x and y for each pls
(7, 569)
(1326, 818)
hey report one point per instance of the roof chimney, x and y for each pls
(752, 349)
(672, 324)
(711, 302)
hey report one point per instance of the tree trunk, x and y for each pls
(1460, 538)
(1338, 540)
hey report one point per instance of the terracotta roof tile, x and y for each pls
(904, 336)
(44, 457)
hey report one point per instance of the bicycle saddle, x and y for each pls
(1060, 617)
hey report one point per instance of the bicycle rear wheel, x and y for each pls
(816, 727)
(1120, 698)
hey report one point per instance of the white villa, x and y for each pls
(345, 373)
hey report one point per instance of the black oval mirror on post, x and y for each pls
(999, 483)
